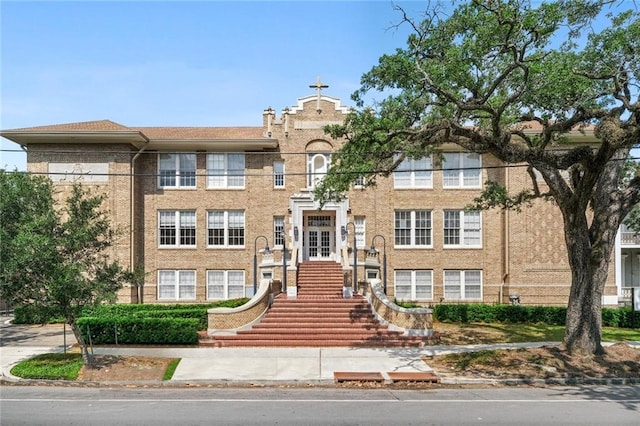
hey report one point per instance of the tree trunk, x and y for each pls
(589, 250)
(583, 327)
(87, 358)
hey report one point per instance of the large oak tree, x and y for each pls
(474, 75)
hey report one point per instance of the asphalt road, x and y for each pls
(591, 405)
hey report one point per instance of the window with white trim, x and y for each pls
(461, 170)
(176, 285)
(462, 284)
(176, 170)
(223, 285)
(360, 227)
(413, 284)
(317, 167)
(412, 228)
(225, 228)
(225, 170)
(462, 228)
(177, 228)
(278, 174)
(414, 173)
(278, 231)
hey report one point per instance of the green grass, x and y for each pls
(171, 368)
(57, 366)
(614, 334)
(519, 333)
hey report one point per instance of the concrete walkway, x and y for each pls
(242, 365)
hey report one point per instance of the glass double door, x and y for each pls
(319, 236)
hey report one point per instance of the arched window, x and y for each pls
(317, 166)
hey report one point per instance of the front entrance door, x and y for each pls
(319, 238)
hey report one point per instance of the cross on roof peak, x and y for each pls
(319, 86)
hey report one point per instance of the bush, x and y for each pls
(144, 331)
(623, 318)
(31, 314)
(478, 312)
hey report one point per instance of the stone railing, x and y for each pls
(230, 320)
(413, 322)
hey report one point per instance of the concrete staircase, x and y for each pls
(318, 317)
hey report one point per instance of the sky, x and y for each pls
(181, 63)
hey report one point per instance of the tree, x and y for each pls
(55, 260)
(477, 76)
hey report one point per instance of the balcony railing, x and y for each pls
(630, 238)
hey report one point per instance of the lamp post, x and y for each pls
(284, 261)
(255, 260)
(384, 258)
(355, 256)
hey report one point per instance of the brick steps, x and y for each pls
(318, 317)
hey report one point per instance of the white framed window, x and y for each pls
(223, 285)
(414, 173)
(225, 170)
(461, 170)
(278, 231)
(462, 228)
(413, 228)
(225, 228)
(177, 228)
(317, 167)
(176, 170)
(176, 284)
(462, 284)
(413, 284)
(360, 227)
(278, 174)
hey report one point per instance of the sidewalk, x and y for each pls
(244, 365)
(238, 365)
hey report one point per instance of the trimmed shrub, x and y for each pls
(142, 331)
(478, 312)
(31, 314)
(623, 318)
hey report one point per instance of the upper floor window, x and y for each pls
(278, 174)
(462, 284)
(414, 173)
(412, 228)
(225, 228)
(225, 170)
(176, 170)
(462, 228)
(317, 167)
(413, 285)
(177, 228)
(461, 170)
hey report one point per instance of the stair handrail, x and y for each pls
(229, 320)
(411, 321)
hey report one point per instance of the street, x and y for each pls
(33, 405)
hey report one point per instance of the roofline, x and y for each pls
(135, 138)
(26, 137)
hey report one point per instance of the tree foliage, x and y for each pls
(56, 259)
(515, 79)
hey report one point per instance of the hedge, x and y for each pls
(146, 331)
(550, 315)
(39, 315)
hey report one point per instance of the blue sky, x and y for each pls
(181, 63)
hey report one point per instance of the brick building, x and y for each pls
(197, 205)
